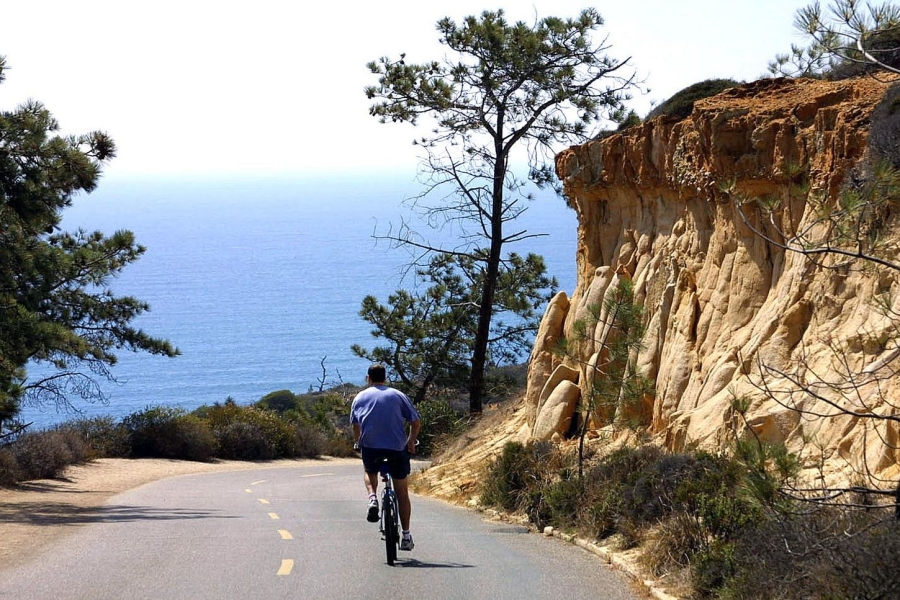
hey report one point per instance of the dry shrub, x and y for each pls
(826, 552)
(46, 454)
(104, 436)
(672, 545)
(9, 468)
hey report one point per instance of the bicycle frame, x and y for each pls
(389, 524)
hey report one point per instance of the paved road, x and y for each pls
(298, 532)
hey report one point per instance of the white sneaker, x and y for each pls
(372, 513)
(407, 543)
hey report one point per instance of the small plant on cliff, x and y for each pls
(681, 104)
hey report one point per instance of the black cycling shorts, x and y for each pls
(398, 461)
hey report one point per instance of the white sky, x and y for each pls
(204, 88)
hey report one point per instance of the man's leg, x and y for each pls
(401, 486)
(371, 481)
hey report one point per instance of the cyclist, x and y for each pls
(378, 416)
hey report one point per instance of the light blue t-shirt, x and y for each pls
(382, 413)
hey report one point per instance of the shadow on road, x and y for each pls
(63, 513)
(418, 564)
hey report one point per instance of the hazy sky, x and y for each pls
(197, 87)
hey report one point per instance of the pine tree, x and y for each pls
(55, 305)
(508, 92)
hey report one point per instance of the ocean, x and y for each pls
(259, 281)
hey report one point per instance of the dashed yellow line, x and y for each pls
(248, 490)
(263, 501)
(274, 516)
(287, 566)
(285, 534)
(259, 482)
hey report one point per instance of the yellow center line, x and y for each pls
(248, 490)
(317, 475)
(263, 500)
(285, 534)
(258, 482)
(286, 566)
(274, 516)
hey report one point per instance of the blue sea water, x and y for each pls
(258, 282)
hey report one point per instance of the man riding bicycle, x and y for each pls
(378, 416)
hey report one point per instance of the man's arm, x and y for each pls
(357, 431)
(414, 428)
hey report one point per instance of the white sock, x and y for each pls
(406, 533)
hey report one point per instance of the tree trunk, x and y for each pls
(486, 310)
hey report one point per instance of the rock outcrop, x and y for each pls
(727, 313)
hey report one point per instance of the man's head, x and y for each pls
(377, 374)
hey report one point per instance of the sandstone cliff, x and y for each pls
(723, 307)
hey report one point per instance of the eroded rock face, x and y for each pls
(555, 416)
(543, 356)
(721, 304)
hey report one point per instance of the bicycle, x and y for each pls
(389, 522)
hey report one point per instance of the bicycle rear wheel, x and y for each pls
(391, 532)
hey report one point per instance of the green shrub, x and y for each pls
(242, 440)
(329, 410)
(167, 432)
(681, 104)
(195, 440)
(280, 401)
(557, 503)
(339, 446)
(510, 477)
(713, 567)
(631, 120)
(152, 431)
(440, 422)
(251, 433)
(312, 442)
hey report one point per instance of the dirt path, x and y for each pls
(37, 513)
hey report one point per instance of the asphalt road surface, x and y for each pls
(299, 532)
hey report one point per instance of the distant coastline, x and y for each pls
(257, 281)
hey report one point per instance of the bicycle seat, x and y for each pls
(383, 465)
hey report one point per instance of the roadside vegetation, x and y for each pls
(709, 525)
(280, 425)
